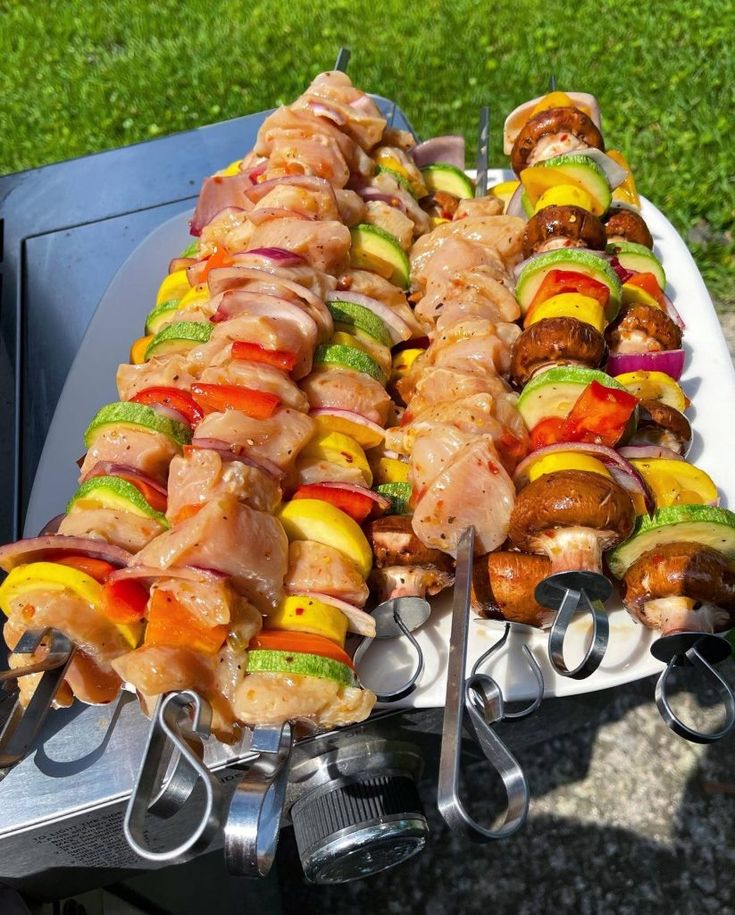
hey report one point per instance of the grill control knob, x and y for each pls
(358, 825)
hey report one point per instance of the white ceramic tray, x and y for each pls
(708, 380)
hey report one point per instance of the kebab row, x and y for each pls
(261, 375)
(597, 366)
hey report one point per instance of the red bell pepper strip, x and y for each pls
(300, 642)
(547, 432)
(599, 415)
(558, 281)
(253, 352)
(124, 601)
(171, 625)
(175, 398)
(215, 398)
(220, 258)
(648, 283)
(354, 504)
(95, 568)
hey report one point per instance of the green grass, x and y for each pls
(80, 75)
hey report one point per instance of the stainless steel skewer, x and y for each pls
(701, 651)
(22, 726)
(552, 82)
(483, 140)
(480, 698)
(343, 59)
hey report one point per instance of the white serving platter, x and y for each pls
(708, 380)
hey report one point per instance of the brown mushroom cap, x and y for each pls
(621, 223)
(571, 498)
(576, 224)
(681, 570)
(558, 341)
(660, 424)
(552, 121)
(662, 332)
(394, 543)
(504, 585)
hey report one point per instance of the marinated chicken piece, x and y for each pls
(443, 385)
(473, 489)
(212, 603)
(351, 207)
(480, 414)
(224, 535)
(479, 206)
(324, 245)
(280, 326)
(265, 698)
(642, 329)
(92, 681)
(124, 529)
(219, 194)
(397, 196)
(553, 132)
(475, 346)
(201, 475)
(352, 110)
(348, 390)
(316, 567)
(312, 470)
(154, 670)
(499, 237)
(66, 611)
(481, 292)
(391, 220)
(433, 449)
(409, 581)
(563, 227)
(255, 375)
(230, 229)
(290, 200)
(401, 161)
(277, 440)
(161, 371)
(142, 449)
(556, 341)
(297, 141)
(504, 587)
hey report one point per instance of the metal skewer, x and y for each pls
(699, 650)
(343, 59)
(480, 698)
(552, 83)
(483, 140)
(22, 727)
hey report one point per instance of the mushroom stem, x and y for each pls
(572, 549)
(683, 614)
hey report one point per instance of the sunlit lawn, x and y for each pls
(78, 76)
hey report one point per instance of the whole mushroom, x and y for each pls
(622, 224)
(642, 329)
(662, 425)
(571, 516)
(563, 227)
(404, 567)
(556, 341)
(681, 587)
(562, 129)
(504, 585)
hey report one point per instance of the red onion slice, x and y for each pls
(515, 206)
(673, 313)
(359, 621)
(670, 362)
(230, 451)
(111, 469)
(308, 182)
(323, 110)
(52, 526)
(183, 573)
(255, 171)
(614, 173)
(649, 452)
(397, 327)
(279, 256)
(447, 150)
(623, 472)
(35, 549)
